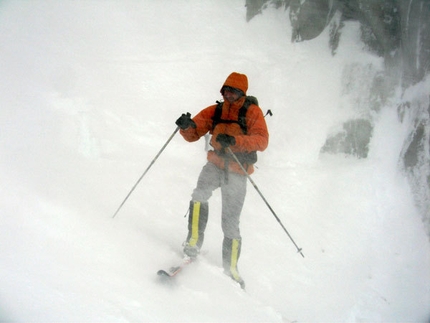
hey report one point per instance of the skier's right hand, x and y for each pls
(185, 121)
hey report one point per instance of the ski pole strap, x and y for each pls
(226, 164)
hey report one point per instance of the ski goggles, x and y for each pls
(232, 90)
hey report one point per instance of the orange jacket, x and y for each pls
(256, 139)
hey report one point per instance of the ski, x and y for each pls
(173, 271)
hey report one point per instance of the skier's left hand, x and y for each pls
(225, 140)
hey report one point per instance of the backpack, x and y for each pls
(245, 157)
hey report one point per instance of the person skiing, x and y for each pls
(221, 170)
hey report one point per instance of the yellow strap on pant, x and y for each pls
(195, 224)
(234, 258)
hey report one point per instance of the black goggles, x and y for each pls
(232, 90)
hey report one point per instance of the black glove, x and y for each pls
(185, 121)
(225, 140)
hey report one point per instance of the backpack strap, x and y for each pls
(217, 115)
(241, 120)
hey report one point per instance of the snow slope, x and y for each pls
(90, 92)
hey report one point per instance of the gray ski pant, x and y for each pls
(233, 196)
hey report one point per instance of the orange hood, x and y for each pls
(237, 81)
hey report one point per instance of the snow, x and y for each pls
(90, 92)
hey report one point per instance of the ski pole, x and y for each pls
(152, 162)
(299, 250)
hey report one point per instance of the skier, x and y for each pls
(244, 138)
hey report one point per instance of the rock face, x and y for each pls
(398, 31)
(353, 140)
(415, 159)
